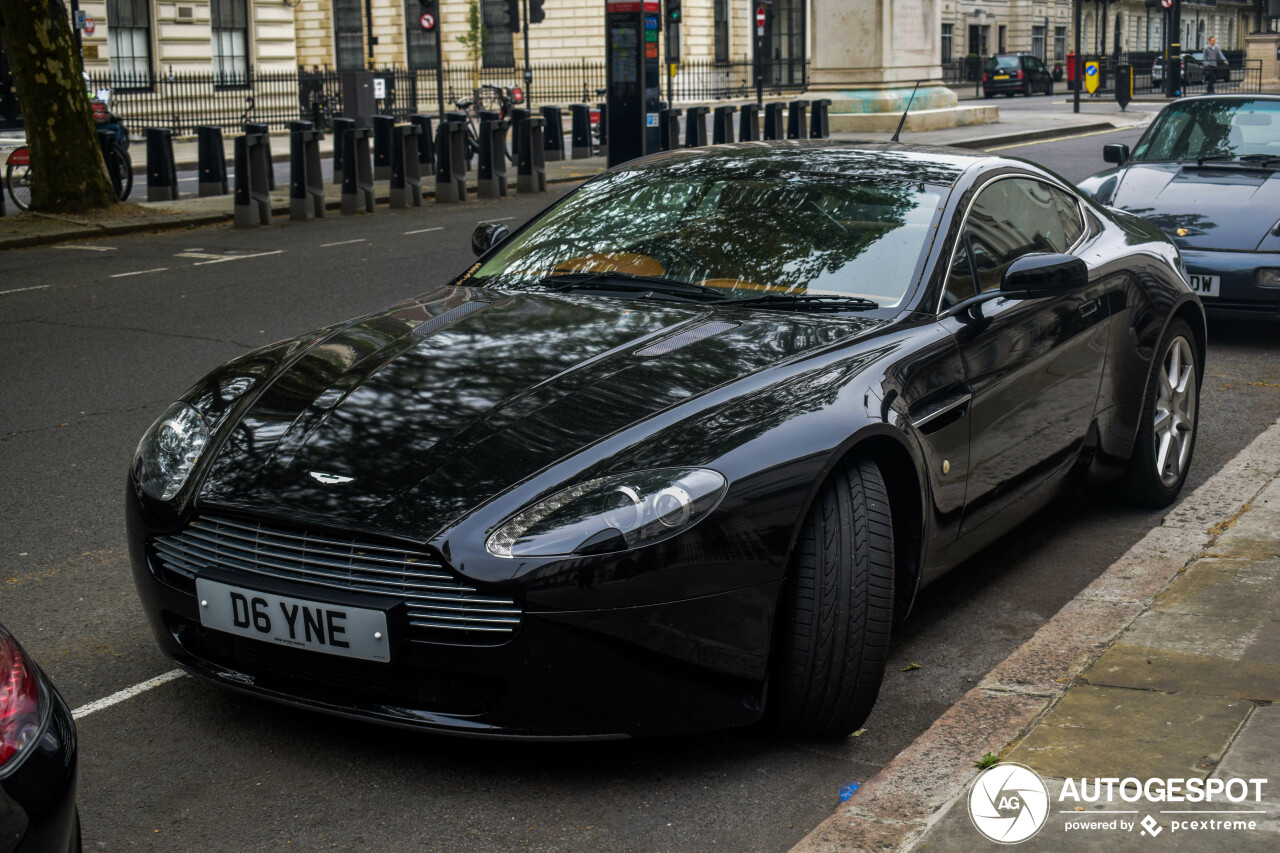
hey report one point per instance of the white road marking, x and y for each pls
(128, 693)
(22, 289)
(138, 272)
(199, 255)
(238, 258)
(425, 230)
(343, 243)
(88, 248)
(500, 219)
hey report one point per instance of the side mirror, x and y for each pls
(487, 235)
(1039, 275)
(1116, 152)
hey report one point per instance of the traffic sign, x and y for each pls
(760, 20)
(1168, 4)
(89, 26)
(1092, 77)
(428, 21)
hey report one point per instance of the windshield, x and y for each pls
(1220, 130)
(744, 233)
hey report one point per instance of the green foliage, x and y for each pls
(988, 760)
(473, 38)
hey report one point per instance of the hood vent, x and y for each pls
(438, 322)
(685, 338)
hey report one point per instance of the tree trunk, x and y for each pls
(67, 171)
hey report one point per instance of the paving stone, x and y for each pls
(1255, 753)
(1171, 671)
(1107, 731)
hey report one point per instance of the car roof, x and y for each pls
(930, 164)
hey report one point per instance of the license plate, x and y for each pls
(352, 632)
(1205, 285)
(1002, 77)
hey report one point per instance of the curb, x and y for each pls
(983, 142)
(899, 804)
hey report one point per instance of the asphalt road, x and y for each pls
(115, 329)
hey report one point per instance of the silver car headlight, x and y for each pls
(612, 513)
(169, 451)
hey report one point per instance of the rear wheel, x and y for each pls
(120, 168)
(833, 625)
(1167, 430)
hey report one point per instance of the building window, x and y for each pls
(499, 40)
(1059, 44)
(1002, 31)
(722, 30)
(948, 43)
(348, 35)
(1037, 42)
(421, 43)
(129, 41)
(230, 22)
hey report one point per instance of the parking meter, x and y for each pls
(631, 75)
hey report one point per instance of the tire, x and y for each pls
(120, 168)
(1167, 429)
(835, 618)
(17, 182)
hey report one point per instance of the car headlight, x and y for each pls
(610, 514)
(1268, 277)
(169, 450)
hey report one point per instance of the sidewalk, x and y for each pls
(1055, 119)
(1165, 668)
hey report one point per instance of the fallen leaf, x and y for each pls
(910, 666)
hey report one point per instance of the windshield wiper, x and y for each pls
(1204, 158)
(1264, 160)
(802, 302)
(631, 283)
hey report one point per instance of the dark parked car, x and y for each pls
(1015, 74)
(675, 455)
(37, 759)
(1192, 70)
(1207, 172)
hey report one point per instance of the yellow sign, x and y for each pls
(1092, 77)
(90, 51)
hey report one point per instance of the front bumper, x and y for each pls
(1239, 295)
(683, 666)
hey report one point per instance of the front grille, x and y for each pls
(438, 603)
(338, 681)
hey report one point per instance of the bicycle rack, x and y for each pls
(162, 175)
(695, 127)
(492, 169)
(253, 195)
(211, 161)
(773, 121)
(797, 126)
(581, 124)
(668, 129)
(406, 172)
(340, 128)
(461, 118)
(531, 175)
(306, 183)
(604, 129)
(357, 171)
(254, 127)
(722, 125)
(553, 134)
(819, 119)
(383, 128)
(451, 160)
(426, 143)
(749, 123)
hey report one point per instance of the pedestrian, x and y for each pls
(1212, 56)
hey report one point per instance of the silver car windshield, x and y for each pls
(744, 235)
(1217, 130)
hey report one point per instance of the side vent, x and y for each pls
(685, 338)
(438, 322)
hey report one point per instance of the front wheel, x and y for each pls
(1167, 429)
(834, 622)
(17, 181)
(120, 168)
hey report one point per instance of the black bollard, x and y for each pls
(553, 130)
(749, 123)
(211, 161)
(426, 143)
(695, 127)
(531, 169)
(383, 127)
(261, 129)
(162, 176)
(604, 129)
(773, 121)
(451, 162)
(340, 128)
(491, 174)
(253, 194)
(820, 119)
(306, 183)
(406, 175)
(722, 125)
(357, 171)
(797, 126)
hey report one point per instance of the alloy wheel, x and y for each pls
(1174, 423)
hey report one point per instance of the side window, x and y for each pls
(1015, 217)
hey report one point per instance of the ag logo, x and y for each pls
(1008, 803)
(330, 479)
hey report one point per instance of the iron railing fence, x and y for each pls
(181, 101)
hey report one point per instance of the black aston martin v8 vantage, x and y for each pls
(675, 455)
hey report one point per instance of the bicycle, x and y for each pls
(115, 154)
(499, 99)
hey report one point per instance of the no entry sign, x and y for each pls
(1168, 4)
(759, 20)
(427, 20)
